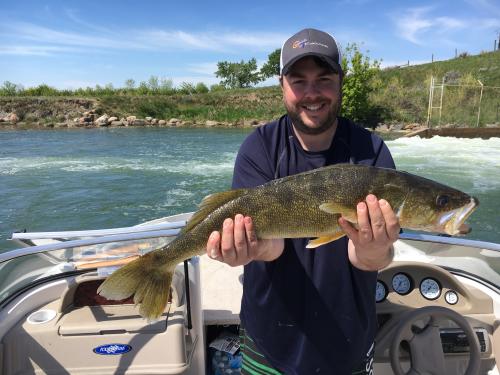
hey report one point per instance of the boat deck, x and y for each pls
(221, 292)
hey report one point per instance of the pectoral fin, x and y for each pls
(348, 213)
(324, 240)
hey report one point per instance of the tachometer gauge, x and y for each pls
(430, 288)
(401, 283)
(380, 292)
(451, 297)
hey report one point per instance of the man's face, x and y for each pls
(312, 96)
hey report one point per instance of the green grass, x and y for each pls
(230, 106)
(404, 92)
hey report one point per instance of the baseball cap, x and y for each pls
(310, 42)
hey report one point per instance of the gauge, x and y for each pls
(380, 292)
(430, 288)
(451, 297)
(401, 283)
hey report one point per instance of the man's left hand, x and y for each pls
(370, 245)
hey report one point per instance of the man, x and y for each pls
(309, 311)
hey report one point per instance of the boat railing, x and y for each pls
(87, 242)
(459, 241)
(95, 233)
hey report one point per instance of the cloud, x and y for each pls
(206, 68)
(489, 23)
(415, 25)
(448, 23)
(27, 31)
(39, 50)
(213, 41)
(490, 6)
(72, 14)
(160, 40)
(412, 23)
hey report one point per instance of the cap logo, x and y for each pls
(304, 42)
(299, 43)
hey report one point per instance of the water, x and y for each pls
(103, 178)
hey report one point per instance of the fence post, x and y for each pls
(479, 108)
(441, 102)
(431, 95)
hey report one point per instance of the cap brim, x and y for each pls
(327, 59)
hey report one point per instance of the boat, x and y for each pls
(438, 306)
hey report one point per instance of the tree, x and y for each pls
(130, 84)
(358, 74)
(238, 75)
(166, 85)
(187, 88)
(201, 88)
(154, 83)
(10, 89)
(272, 67)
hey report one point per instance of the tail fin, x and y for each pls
(145, 278)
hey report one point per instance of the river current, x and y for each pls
(104, 178)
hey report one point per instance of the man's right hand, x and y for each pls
(238, 244)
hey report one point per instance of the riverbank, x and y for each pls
(238, 110)
(234, 108)
(40, 113)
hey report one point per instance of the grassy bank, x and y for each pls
(404, 92)
(231, 106)
(399, 96)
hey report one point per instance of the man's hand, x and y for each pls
(370, 246)
(238, 244)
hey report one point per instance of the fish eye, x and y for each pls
(442, 200)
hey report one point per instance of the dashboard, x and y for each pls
(413, 285)
(405, 286)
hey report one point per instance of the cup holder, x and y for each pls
(41, 316)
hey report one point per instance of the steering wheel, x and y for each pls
(426, 352)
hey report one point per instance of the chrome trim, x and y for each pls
(450, 240)
(87, 242)
(98, 232)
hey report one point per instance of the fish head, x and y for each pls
(434, 207)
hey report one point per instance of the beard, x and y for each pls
(323, 126)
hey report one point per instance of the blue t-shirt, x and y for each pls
(309, 311)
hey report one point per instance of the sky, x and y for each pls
(72, 44)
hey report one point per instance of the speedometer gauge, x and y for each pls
(401, 283)
(380, 292)
(430, 288)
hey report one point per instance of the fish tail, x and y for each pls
(147, 278)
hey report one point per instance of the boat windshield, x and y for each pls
(478, 259)
(28, 266)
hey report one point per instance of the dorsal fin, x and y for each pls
(211, 203)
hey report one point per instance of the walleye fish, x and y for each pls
(299, 206)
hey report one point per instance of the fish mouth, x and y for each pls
(453, 222)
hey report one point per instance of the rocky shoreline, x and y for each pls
(90, 119)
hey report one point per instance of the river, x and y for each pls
(103, 178)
